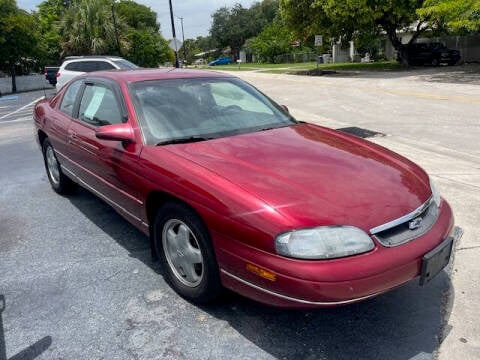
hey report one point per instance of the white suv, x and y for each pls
(77, 65)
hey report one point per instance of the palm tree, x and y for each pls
(88, 28)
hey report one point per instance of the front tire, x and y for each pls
(60, 183)
(183, 245)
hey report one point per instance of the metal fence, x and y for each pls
(295, 58)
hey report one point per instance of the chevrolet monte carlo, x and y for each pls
(234, 192)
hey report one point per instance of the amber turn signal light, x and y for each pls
(261, 272)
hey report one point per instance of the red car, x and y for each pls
(236, 193)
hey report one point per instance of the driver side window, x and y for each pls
(69, 98)
(99, 106)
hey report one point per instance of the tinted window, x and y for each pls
(69, 98)
(99, 106)
(72, 67)
(103, 65)
(124, 64)
(89, 66)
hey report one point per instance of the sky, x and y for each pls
(196, 14)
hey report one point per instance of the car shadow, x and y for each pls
(120, 230)
(407, 323)
(31, 352)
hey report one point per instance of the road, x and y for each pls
(79, 283)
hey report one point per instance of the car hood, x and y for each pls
(315, 176)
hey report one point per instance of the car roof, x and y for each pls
(155, 74)
(92, 57)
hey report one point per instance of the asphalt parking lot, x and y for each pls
(79, 283)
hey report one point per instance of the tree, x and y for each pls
(341, 20)
(48, 19)
(137, 16)
(17, 37)
(205, 43)
(88, 28)
(453, 16)
(275, 39)
(144, 45)
(147, 48)
(231, 27)
(189, 48)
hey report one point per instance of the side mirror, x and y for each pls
(285, 108)
(116, 132)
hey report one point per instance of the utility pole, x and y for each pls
(183, 39)
(173, 33)
(115, 27)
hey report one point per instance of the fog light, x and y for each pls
(261, 272)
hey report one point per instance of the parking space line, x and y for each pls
(8, 98)
(30, 118)
(20, 109)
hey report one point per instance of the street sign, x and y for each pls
(175, 44)
(318, 40)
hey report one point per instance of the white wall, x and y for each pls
(340, 55)
(24, 83)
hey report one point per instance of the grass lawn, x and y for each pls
(299, 67)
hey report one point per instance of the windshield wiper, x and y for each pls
(273, 127)
(184, 140)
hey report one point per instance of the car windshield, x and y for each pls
(124, 64)
(187, 110)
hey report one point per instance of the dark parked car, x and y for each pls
(51, 74)
(220, 61)
(431, 54)
(235, 192)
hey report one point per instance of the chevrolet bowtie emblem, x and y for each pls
(415, 223)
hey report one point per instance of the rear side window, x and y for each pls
(69, 98)
(72, 67)
(99, 106)
(103, 65)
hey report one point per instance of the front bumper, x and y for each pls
(307, 284)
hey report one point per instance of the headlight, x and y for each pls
(324, 242)
(435, 193)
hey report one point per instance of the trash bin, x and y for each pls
(319, 59)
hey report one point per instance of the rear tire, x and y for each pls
(183, 245)
(60, 183)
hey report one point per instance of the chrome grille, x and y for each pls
(412, 226)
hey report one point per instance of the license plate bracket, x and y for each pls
(435, 260)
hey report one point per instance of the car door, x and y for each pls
(105, 167)
(60, 119)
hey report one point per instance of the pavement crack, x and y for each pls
(468, 247)
(458, 182)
